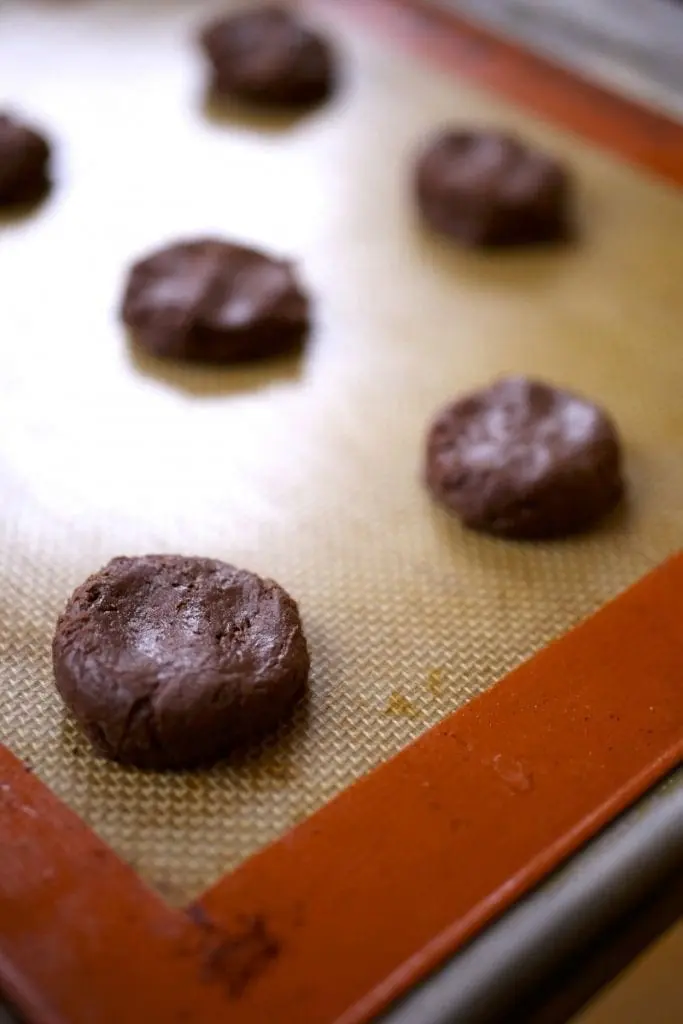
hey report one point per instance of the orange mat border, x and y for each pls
(344, 913)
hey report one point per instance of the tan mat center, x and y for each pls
(307, 471)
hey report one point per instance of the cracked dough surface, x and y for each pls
(168, 662)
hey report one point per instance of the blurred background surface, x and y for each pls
(632, 46)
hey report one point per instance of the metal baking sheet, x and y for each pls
(306, 470)
(633, 47)
(548, 932)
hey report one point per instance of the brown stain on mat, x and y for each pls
(238, 958)
(435, 683)
(399, 706)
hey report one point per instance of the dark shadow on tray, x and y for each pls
(527, 265)
(452, 531)
(202, 379)
(226, 112)
(16, 213)
(274, 755)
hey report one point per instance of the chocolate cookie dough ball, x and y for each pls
(488, 189)
(525, 460)
(173, 662)
(24, 163)
(268, 56)
(215, 302)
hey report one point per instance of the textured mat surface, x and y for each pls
(307, 471)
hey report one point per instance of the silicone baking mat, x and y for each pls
(304, 470)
